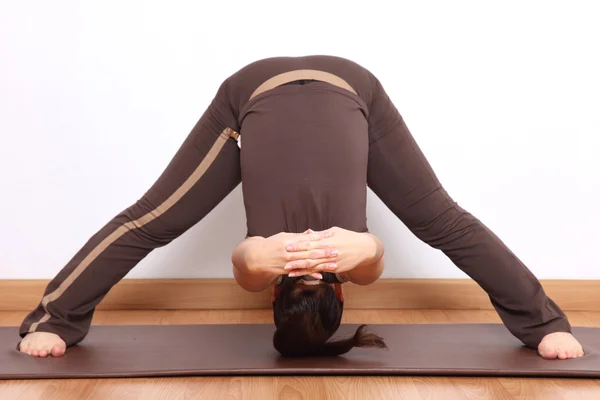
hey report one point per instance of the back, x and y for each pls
(304, 149)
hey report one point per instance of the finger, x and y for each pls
(307, 246)
(324, 267)
(303, 245)
(320, 254)
(313, 254)
(307, 263)
(327, 267)
(303, 234)
(298, 273)
(316, 236)
(311, 236)
(299, 246)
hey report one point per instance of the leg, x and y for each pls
(205, 169)
(402, 178)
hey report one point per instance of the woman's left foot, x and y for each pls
(561, 345)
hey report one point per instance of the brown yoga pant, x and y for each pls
(308, 153)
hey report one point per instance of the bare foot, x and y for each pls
(561, 345)
(43, 344)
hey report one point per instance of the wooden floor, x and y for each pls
(289, 388)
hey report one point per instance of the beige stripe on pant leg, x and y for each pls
(138, 223)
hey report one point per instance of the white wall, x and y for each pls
(95, 98)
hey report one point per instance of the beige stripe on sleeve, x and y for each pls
(138, 223)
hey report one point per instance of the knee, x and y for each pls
(437, 219)
(148, 225)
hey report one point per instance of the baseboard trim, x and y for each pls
(222, 294)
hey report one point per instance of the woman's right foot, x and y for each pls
(43, 344)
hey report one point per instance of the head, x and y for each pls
(307, 313)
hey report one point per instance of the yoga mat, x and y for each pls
(188, 350)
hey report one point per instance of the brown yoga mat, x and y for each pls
(187, 350)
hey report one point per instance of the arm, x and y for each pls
(258, 261)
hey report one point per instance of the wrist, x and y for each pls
(372, 267)
(374, 249)
(254, 254)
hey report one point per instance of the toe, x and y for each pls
(43, 353)
(57, 351)
(542, 353)
(35, 353)
(570, 353)
(547, 353)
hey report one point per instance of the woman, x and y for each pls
(316, 131)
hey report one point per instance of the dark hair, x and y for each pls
(306, 318)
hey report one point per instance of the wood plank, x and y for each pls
(550, 389)
(224, 294)
(289, 387)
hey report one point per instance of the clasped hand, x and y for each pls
(334, 250)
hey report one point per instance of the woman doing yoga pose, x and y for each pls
(315, 132)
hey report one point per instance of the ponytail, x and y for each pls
(302, 335)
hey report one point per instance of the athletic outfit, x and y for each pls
(308, 152)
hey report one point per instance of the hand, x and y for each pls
(353, 249)
(270, 254)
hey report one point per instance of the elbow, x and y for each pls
(244, 282)
(250, 282)
(367, 274)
